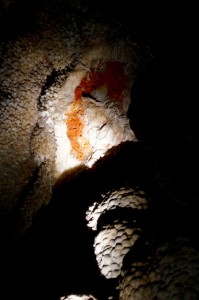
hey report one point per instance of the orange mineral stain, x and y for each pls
(110, 74)
(80, 146)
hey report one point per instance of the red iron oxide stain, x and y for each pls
(110, 74)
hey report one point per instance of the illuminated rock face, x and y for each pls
(98, 97)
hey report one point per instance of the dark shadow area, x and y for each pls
(18, 18)
(56, 256)
(163, 115)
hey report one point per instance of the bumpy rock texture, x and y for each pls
(115, 240)
(98, 181)
(146, 266)
(65, 91)
(170, 272)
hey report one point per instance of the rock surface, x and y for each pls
(98, 151)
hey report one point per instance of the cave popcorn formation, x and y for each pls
(169, 272)
(118, 233)
(144, 269)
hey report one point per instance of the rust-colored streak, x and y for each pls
(80, 146)
(109, 74)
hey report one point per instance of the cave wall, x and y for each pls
(80, 80)
(44, 59)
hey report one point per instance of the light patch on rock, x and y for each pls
(97, 97)
(78, 297)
